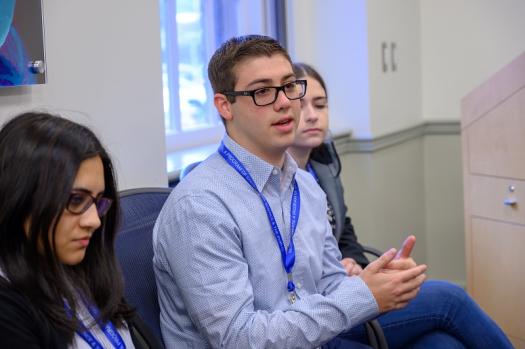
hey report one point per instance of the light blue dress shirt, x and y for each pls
(221, 282)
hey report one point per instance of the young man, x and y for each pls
(244, 254)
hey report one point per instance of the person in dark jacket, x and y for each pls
(318, 156)
(60, 284)
(313, 153)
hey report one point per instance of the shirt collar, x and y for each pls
(260, 170)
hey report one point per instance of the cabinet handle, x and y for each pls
(510, 202)
(383, 56)
(393, 64)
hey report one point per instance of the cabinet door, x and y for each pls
(497, 274)
(497, 140)
(395, 94)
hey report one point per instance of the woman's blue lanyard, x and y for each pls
(311, 170)
(109, 330)
(287, 256)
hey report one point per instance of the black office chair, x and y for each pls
(376, 336)
(139, 211)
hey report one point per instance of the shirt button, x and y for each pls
(275, 172)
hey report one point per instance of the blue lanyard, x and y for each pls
(287, 255)
(311, 170)
(109, 330)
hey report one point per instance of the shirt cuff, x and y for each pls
(354, 295)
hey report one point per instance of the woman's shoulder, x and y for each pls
(21, 325)
(11, 298)
(323, 154)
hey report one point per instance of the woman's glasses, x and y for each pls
(80, 201)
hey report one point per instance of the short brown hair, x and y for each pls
(235, 50)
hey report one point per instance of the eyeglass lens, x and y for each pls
(80, 202)
(268, 95)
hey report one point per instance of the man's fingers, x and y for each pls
(400, 305)
(407, 247)
(401, 264)
(408, 296)
(412, 273)
(403, 299)
(357, 269)
(351, 266)
(382, 261)
(348, 261)
(409, 287)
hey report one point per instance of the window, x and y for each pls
(191, 30)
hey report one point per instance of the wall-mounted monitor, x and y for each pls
(22, 59)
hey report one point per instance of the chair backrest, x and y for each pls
(134, 249)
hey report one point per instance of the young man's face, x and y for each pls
(266, 131)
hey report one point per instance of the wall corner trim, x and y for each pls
(346, 144)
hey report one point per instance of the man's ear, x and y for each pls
(223, 106)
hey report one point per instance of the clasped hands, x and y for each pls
(394, 278)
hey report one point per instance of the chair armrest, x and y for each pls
(376, 337)
(371, 250)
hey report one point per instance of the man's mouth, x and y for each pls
(284, 121)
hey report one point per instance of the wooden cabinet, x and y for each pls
(493, 141)
(394, 72)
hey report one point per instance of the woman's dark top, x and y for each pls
(327, 167)
(26, 327)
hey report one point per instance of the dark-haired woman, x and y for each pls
(442, 315)
(60, 286)
(320, 158)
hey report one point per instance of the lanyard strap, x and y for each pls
(311, 170)
(109, 330)
(287, 255)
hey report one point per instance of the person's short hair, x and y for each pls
(234, 51)
(40, 155)
(303, 70)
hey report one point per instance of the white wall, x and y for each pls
(450, 46)
(395, 96)
(463, 43)
(443, 200)
(342, 39)
(385, 194)
(413, 187)
(332, 36)
(103, 67)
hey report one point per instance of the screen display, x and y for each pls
(22, 59)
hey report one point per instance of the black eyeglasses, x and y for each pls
(268, 95)
(80, 201)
